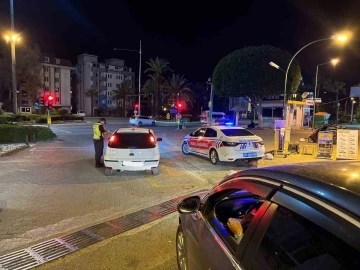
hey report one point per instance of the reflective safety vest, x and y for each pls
(97, 132)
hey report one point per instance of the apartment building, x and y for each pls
(103, 77)
(56, 80)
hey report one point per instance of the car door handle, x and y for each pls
(195, 216)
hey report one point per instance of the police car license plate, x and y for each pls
(133, 163)
(250, 155)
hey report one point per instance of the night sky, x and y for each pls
(192, 35)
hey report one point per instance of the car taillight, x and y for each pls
(112, 138)
(231, 144)
(261, 143)
(152, 139)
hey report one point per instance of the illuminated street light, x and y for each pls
(276, 66)
(343, 37)
(334, 62)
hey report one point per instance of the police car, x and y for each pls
(224, 143)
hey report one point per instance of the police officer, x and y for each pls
(99, 133)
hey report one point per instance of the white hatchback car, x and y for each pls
(139, 120)
(224, 143)
(132, 149)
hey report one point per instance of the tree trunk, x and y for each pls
(259, 113)
(92, 105)
(157, 94)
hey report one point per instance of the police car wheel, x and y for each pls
(214, 158)
(107, 172)
(185, 148)
(155, 171)
(153, 123)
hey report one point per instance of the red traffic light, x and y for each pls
(50, 98)
(179, 105)
(136, 106)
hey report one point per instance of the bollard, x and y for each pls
(34, 138)
(27, 138)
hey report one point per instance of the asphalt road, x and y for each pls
(53, 189)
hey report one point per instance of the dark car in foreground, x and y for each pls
(301, 216)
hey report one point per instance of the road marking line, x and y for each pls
(63, 130)
(156, 185)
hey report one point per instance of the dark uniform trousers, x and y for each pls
(99, 149)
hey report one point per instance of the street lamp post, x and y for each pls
(352, 109)
(140, 52)
(334, 62)
(340, 38)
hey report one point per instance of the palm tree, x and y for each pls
(92, 93)
(125, 89)
(178, 89)
(337, 88)
(156, 83)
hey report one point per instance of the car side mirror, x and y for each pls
(189, 205)
(192, 134)
(159, 139)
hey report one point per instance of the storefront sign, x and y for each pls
(347, 144)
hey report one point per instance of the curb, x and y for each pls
(12, 152)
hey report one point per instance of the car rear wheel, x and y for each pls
(180, 249)
(185, 148)
(253, 163)
(108, 172)
(155, 171)
(153, 123)
(214, 157)
(140, 124)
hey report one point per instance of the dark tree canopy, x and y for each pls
(247, 72)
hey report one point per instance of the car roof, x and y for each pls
(337, 182)
(220, 127)
(134, 130)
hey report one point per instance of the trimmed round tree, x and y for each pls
(247, 73)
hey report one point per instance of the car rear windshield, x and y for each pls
(237, 132)
(132, 141)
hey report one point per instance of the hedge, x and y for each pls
(15, 133)
(35, 118)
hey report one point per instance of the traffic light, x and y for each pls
(136, 106)
(41, 100)
(50, 101)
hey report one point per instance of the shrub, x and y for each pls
(63, 112)
(16, 133)
(1, 111)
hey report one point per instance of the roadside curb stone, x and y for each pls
(14, 151)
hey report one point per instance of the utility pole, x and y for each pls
(140, 79)
(13, 59)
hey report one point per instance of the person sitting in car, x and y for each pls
(237, 226)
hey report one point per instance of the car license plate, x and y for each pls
(250, 155)
(133, 163)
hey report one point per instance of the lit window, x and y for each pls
(47, 60)
(57, 61)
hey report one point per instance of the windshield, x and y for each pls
(237, 132)
(132, 141)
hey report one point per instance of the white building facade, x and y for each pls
(56, 80)
(101, 77)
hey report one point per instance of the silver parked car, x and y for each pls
(302, 216)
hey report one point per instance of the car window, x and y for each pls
(228, 211)
(293, 242)
(210, 133)
(132, 141)
(237, 132)
(199, 132)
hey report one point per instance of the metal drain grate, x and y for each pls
(58, 247)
